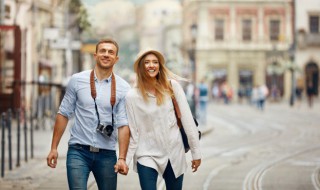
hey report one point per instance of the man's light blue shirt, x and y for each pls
(79, 103)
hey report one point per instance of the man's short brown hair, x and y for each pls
(110, 41)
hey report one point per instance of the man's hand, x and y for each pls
(195, 164)
(52, 158)
(121, 167)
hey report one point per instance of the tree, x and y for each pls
(79, 16)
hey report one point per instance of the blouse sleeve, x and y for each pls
(187, 120)
(134, 134)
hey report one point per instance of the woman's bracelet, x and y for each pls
(122, 159)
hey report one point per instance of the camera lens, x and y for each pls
(108, 130)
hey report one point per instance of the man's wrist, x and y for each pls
(120, 158)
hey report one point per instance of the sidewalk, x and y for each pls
(35, 172)
(36, 175)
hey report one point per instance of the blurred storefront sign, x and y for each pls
(65, 43)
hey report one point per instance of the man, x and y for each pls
(93, 136)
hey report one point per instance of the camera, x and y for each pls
(105, 130)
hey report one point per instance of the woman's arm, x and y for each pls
(187, 120)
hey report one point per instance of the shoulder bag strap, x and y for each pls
(176, 109)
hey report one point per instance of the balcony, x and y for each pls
(308, 39)
(313, 39)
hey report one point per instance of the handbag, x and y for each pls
(183, 133)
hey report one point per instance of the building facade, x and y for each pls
(46, 54)
(243, 43)
(159, 26)
(308, 44)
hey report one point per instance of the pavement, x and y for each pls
(34, 174)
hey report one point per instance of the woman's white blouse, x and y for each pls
(155, 137)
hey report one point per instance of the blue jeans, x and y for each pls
(148, 178)
(80, 162)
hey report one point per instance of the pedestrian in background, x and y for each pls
(203, 100)
(262, 93)
(97, 124)
(254, 96)
(299, 91)
(311, 92)
(191, 98)
(226, 92)
(155, 143)
(215, 92)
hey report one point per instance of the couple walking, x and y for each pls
(141, 119)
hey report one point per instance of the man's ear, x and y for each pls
(117, 59)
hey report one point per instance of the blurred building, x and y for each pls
(47, 53)
(243, 42)
(118, 22)
(135, 26)
(308, 42)
(159, 26)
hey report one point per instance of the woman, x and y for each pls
(155, 142)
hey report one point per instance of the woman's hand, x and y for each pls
(121, 167)
(195, 164)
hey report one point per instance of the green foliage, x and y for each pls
(77, 10)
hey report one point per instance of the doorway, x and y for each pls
(312, 78)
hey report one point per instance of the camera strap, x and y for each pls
(94, 94)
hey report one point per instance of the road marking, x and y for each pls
(315, 178)
(213, 173)
(253, 180)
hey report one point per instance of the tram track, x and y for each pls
(253, 180)
(273, 129)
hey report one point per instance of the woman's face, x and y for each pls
(152, 65)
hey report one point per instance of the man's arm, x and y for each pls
(123, 138)
(59, 128)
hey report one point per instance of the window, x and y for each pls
(219, 29)
(274, 30)
(246, 30)
(7, 11)
(314, 24)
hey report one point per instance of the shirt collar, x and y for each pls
(107, 79)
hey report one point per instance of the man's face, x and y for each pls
(106, 55)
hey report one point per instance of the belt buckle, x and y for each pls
(94, 149)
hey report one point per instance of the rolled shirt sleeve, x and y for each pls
(68, 104)
(121, 114)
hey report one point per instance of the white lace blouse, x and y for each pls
(155, 137)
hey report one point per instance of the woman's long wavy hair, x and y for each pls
(161, 84)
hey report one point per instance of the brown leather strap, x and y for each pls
(113, 88)
(93, 86)
(176, 109)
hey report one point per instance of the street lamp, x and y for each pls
(291, 53)
(292, 69)
(192, 55)
(274, 67)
